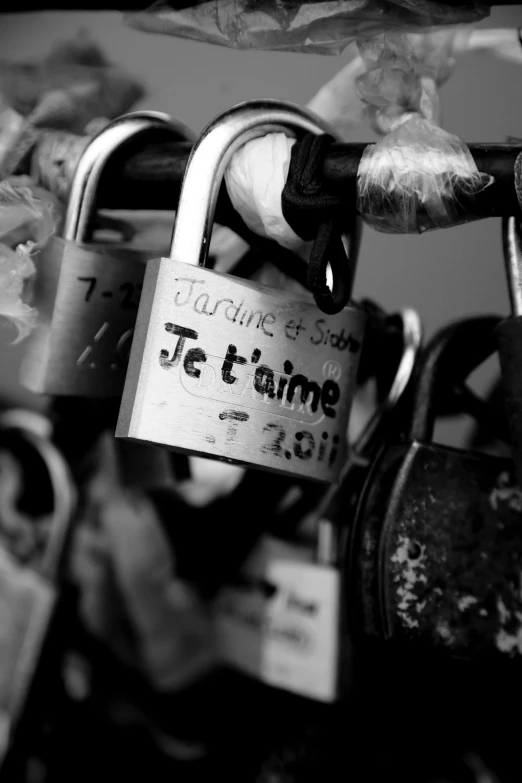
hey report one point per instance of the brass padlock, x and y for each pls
(87, 295)
(229, 369)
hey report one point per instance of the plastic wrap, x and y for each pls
(255, 179)
(69, 87)
(403, 72)
(324, 27)
(411, 181)
(16, 138)
(26, 223)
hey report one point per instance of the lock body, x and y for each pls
(225, 368)
(281, 625)
(439, 554)
(87, 299)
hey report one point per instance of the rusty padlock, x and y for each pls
(87, 295)
(229, 369)
(435, 556)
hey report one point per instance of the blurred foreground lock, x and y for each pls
(436, 554)
(32, 549)
(229, 369)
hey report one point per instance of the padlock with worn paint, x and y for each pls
(87, 295)
(229, 369)
(436, 554)
(32, 550)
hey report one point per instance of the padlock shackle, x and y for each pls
(412, 333)
(210, 157)
(451, 355)
(84, 186)
(63, 489)
(411, 342)
(512, 246)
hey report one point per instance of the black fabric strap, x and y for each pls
(315, 214)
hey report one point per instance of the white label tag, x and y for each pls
(282, 625)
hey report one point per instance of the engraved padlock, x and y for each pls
(87, 295)
(229, 369)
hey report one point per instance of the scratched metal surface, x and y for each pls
(445, 540)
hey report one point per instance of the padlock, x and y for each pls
(436, 553)
(31, 601)
(509, 338)
(279, 620)
(268, 382)
(335, 509)
(87, 295)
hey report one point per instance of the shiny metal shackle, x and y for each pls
(512, 246)
(86, 178)
(210, 157)
(64, 491)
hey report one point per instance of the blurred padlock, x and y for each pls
(225, 368)
(30, 595)
(279, 621)
(436, 554)
(87, 295)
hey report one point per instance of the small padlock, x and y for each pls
(87, 295)
(436, 554)
(279, 621)
(29, 595)
(229, 369)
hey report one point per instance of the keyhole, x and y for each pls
(414, 550)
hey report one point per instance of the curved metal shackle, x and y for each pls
(63, 487)
(412, 333)
(82, 195)
(452, 354)
(512, 246)
(210, 157)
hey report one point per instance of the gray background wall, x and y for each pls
(443, 274)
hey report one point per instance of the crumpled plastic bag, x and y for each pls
(411, 181)
(26, 223)
(403, 72)
(69, 87)
(323, 27)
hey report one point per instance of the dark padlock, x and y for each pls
(436, 552)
